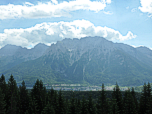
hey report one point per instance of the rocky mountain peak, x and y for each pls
(145, 51)
(82, 45)
(9, 50)
(40, 45)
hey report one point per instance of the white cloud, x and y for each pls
(134, 9)
(108, 1)
(54, 1)
(134, 46)
(108, 12)
(28, 3)
(146, 6)
(52, 32)
(50, 9)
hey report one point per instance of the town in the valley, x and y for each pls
(79, 87)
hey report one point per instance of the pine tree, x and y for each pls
(126, 102)
(33, 106)
(114, 93)
(115, 109)
(149, 104)
(84, 109)
(91, 105)
(12, 85)
(118, 96)
(2, 103)
(43, 94)
(67, 106)
(2, 81)
(148, 90)
(26, 112)
(13, 105)
(109, 111)
(79, 106)
(135, 99)
(4, 89)
(19, 111)
(61, 103)
(3, 85)
(50, 96)
(39, 93)
(143, 100)
(102, 102)
(149, 100)
(24, 98)
(13, 96)
(76, 103)
(54, 102)
(48, 109)
(129, 104)
(52, 91)
(73, 108)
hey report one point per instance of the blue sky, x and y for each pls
(29, 22)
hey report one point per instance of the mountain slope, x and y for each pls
(92, 60)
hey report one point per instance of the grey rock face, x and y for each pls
(75, 48)
(90, 59)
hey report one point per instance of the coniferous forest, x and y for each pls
(17, 100)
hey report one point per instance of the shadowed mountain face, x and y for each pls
(92, 60)
(12, 50)
(11, 55)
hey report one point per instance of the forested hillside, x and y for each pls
(14, 100)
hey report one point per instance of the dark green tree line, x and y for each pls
(17, 100)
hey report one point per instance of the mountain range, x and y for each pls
(91, 60)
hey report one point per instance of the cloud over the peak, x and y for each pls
(146, 6)
(53, 32)
(49, 9)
